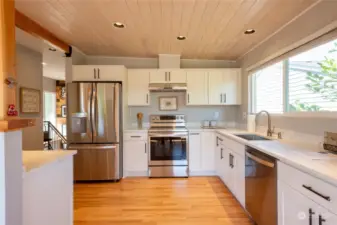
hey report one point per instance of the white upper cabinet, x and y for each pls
(98, 73)
(138, 87)
(197, 88)
(158, 76)
(177, 76)
(225, 87)
(167, 76)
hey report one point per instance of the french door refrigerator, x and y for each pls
(94, 129)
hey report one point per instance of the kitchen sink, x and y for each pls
(252, 137)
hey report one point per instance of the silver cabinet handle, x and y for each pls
(194, 133)
(135, 136)
(225, 99)
(165, 76)
(99, 70)
(147, 98)
(221, 157)
(188, 98)
(145, 147)
(94, 73)
(169, 76)
(220, 98)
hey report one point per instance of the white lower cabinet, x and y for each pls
(207, 152)
(135, 157)
(201, 153)
(239, 176)
(297, 206)
(195, 152)
(230, 167)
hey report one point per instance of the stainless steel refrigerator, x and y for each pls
(94, 129)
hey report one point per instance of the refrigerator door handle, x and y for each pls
(94, 113)
(90, 110)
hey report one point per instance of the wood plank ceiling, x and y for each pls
(214, 28)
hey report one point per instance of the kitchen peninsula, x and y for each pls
(47, 187)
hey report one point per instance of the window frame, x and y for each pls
(286, 112)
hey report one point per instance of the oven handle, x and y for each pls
(261, 161)
(168, 135)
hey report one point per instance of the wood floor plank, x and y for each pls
(142, 201)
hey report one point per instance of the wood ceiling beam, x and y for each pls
(28, 25)
(7, 67)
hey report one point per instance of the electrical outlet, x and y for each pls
(216, 115)
(244, 116)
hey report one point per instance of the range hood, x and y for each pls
(171, 87)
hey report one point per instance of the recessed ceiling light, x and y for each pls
(250, 31)
(119, 25)
(52, 49)
(181, 38)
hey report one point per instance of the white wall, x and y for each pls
(29, 75)
(321, 18)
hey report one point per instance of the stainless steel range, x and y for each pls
(168, 138)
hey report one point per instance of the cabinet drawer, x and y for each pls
(235, 146)
(135, 136)
(316, 189)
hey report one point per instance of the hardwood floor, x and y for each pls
(142, 201)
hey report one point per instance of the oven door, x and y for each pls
(168, 150)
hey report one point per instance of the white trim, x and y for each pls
(280, 29)
(330, 115)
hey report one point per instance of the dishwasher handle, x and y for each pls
(261, 161)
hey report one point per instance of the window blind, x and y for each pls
(268, 89)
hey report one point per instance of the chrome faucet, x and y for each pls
(269, 131)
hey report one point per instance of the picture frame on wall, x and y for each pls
(30, 100)
(168, 103)
(64, 111)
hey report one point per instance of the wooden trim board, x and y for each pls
(15, 124)
(26, 24)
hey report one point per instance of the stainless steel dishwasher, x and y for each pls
(261, 187)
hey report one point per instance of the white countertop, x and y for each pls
(38, 158)
(299, 155)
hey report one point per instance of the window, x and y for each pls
(268, 89)
(312, 79)
(305, 82)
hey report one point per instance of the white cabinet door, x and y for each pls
(325, 217)
(158, 76)
(98, 73)
(215, 82)
(138, 87)
(177, 76)
(225, 87)
(197, 88)
(208, 151)
(293, 207)
(239, 178)
(135, 156)
(226, 169)
(194, 151)
(111, 73)
(230, 171)
(232, 87)
(84, 73)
